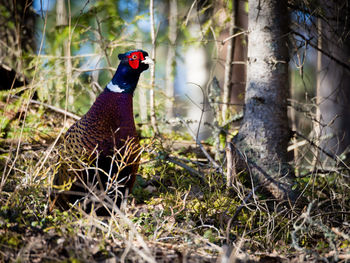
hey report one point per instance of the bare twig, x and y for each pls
(341, 63)
(102, 43)
(62, 111)
(334, 157)
(192, 171)
(93, 69)
(189, 12)
(233, 36)
(239, 209)
(215, 164)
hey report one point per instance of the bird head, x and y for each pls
(131, 65)
(137, 60)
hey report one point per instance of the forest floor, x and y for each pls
(179, 211)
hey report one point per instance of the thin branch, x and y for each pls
(192, 171)
(308, 41)
(93, 69)
(215, 164)
(233, 36)
(189, 12)
(239, 209)
(64, 112)
(102, 43)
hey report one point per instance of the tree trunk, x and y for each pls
(316, 124)
(264, 134)
(61, 13)
(62, 21)
(239, 67)
(171, 60)
(228, 67)
(142, 95)
(152, 69)
(142, 91)
(334, 86)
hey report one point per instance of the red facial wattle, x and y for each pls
(134, 59)
(134, 63)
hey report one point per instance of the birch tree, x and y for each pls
(171, 59)
(152, 69)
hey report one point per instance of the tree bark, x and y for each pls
(142, 91)
(171, 60)
(264, 135)
(228, 67)
(63, 21)
(316, 123)
(239, 67)
(61, 13)
(152, 69)
(334, 86)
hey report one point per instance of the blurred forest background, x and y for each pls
(56, 56)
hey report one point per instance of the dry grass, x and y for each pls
(173, 215)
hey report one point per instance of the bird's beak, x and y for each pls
(148, 61)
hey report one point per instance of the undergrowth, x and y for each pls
(175, 213)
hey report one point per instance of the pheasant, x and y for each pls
(100, 152)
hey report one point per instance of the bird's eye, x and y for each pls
(134, 56)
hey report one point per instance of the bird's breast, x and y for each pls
(111, 121)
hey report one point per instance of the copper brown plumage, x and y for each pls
(99, 156)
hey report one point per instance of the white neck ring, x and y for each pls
(114, 87)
